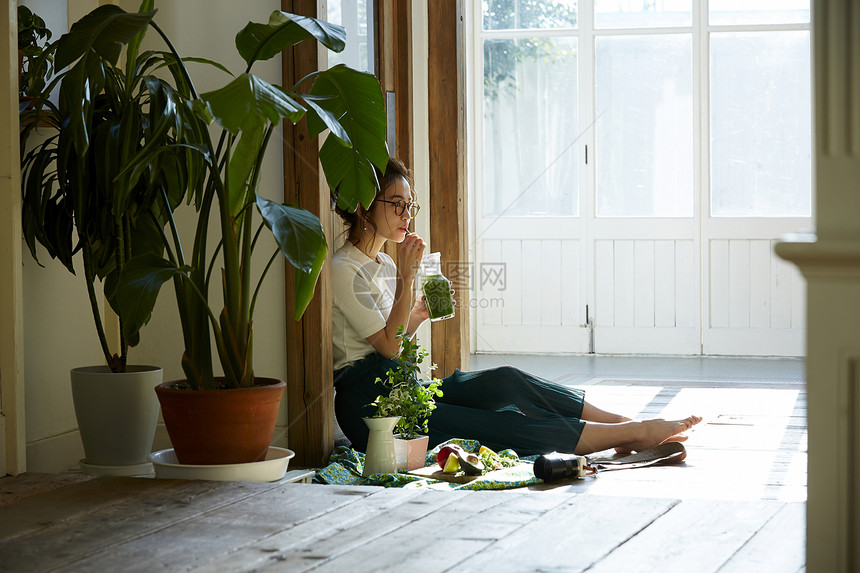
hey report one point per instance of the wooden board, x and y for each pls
(310, 389)
(729, 507)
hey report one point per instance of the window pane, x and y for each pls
(761, 142)
(730, 12)
(644, 126)
(356, 16)
(642, 13)
(531, 130)
(529, 14)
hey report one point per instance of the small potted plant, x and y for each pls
(411, 401)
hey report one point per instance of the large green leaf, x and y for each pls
(245, 154)
(328, 118)
(257, 42)
(349, 174)
(78, 90)
(355, 99)
(300, 236)
(105, 30)
(306, 282)
(349, 93)
(137, 290)
(249, 101)
(137, 39)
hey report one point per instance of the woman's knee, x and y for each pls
(511, 376)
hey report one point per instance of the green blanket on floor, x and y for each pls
(345, 466)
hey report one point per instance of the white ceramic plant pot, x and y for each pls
(116, 414)
(380, 458)
(411, 454)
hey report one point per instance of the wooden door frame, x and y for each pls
(310, 406)
(310, 390)
(394, 69)
(12, 428)
(448, 205)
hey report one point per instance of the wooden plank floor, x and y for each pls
(736, 504)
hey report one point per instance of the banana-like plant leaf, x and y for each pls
(297, 231)
(105, 30)
(241, 165)
(349, 174)
(301, 239)
(305, 284)
(137, 289)
(257, 42)
(349, 93)
(248, 101)
(356, 100)
(329, 120)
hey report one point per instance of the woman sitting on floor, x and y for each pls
(502, 407)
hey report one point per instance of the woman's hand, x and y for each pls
(419, 312)
(409, 254)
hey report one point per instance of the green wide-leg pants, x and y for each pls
(501, 408)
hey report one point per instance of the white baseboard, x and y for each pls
(62, 453)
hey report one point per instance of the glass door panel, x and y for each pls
(761, 129)
(530, 127)
(644, 126)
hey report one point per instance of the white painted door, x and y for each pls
(530, 248)
(632, 176)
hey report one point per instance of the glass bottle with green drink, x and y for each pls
(436, 288)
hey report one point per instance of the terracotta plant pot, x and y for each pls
(230, 426)
(411, 454)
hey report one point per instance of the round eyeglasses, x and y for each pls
(401, 206)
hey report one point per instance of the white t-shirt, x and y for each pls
(362, 296)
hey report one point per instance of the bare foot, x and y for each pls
(658, 431)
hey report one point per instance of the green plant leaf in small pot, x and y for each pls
(408, 397)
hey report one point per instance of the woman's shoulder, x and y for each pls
(347, 254)
(348, 260)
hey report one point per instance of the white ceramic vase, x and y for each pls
(117, 415)
(380, 457)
